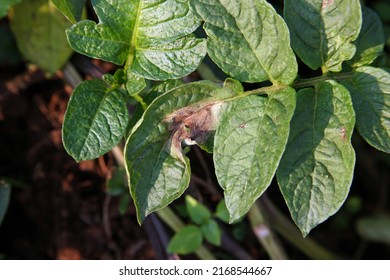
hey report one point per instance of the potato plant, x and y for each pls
(296, 129)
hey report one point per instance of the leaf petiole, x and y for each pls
(302, 83)
(140, 101)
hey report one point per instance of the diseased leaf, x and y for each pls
(95, 120)
(5, 5)
(158, 170)
(248, 145)
(322, 31)
(148, 97)
(370, 91)
(248, 40)
(371, 40)
(152, 37)
(72, 9)
(186, 241)
(39, 31)
(316, 170)
(231, 88)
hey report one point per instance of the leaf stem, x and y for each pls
(71, 75)
(313, 81)
(140, 100)
(263, 90)
(133, 42)
(300, 83)
(117, 152)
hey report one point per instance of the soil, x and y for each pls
(56, 208)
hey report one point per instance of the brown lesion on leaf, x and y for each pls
(191, 125)
(343, 131)
(326, 3)
(242, 125)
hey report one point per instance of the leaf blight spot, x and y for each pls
(343, 131)
(326, 3)
(191, 125)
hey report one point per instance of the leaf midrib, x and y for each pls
(255, 150)
(93, 121)
(133, 41)
(246, 40)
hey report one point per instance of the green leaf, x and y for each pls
(158, 170)
(117, 79)
(170, 61)
(5, 5)
(134, 84)
(211, 232)
(72, 9)
(152, 40)
(370, 91)
(221, 212)
(39, 31)
(123, 203)
(248, 145)
(376, 228)
(95, 120)
(248, 40)
(186, 241)
(162, 88)
(148, 97)
(322, 30)
(117, 184)
(199, 214)
(5, 193)
(97, 41)
(371, 40)
(316, 170)
(234, 86)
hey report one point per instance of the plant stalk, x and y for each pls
(264, 233)
(302, 83)
(313, 81)
(291, 233)
(71, 75)
(140, 100)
